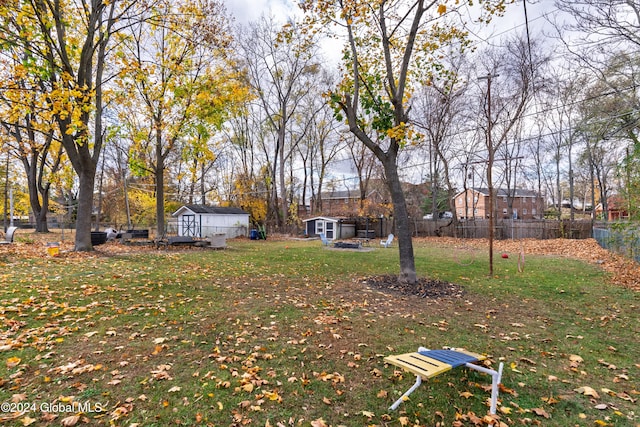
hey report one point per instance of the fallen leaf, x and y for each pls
(625, 396)
(368, 414)
(466, 394)
(575, 360)
(505, 410)
(27, 421)
(18, 397)
(12, 362)
(70, 421)
(587, 391)
(541, 412)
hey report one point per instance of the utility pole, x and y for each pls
(490, 161)
(6, 193)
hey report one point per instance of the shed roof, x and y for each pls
(212, 210)
(326, 218)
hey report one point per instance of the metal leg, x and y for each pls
(496, 377)
(407, 393)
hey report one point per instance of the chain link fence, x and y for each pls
(622, 239)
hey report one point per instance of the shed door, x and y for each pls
(190, 226)
(329, 230)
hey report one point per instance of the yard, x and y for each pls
(287, 333)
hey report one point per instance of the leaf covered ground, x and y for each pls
(285, 333)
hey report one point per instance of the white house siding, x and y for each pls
(232, 225)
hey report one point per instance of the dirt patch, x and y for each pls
(425, 288)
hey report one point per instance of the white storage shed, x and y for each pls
(206, 221)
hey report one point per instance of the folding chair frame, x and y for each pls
(438, 367)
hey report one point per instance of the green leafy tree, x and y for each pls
(392, 48)
(177, 88)
(66, 45)
(32, 135)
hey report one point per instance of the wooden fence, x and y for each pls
(505, 229)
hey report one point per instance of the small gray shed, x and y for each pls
(333, 228)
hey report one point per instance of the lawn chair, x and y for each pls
(387, 243)
(8, 237)
(429, 363)
(325, 242)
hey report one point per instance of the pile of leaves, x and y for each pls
(623, 271)
(424, 288)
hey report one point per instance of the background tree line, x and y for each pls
(149, 105)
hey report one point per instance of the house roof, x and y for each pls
(340, 195)
(502, 192)
(212, 210)
(345, 194)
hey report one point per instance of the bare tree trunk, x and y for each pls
(401, 218)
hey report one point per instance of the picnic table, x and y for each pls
(181, 241)
(347, 245)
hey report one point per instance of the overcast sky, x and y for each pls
(245, 11)
(250, 10)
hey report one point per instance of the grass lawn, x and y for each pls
(286, 333)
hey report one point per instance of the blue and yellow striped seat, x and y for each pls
(428, 363)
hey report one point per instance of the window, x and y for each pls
(504, 211)
(533, 211)
(524, 211)
(319, 227)
(460, 202)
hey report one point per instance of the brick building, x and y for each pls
(518, 204)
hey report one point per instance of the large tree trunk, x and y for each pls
(159, 177)
(284, 208)
(86, 179)
(401, 217)
(38, 208)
